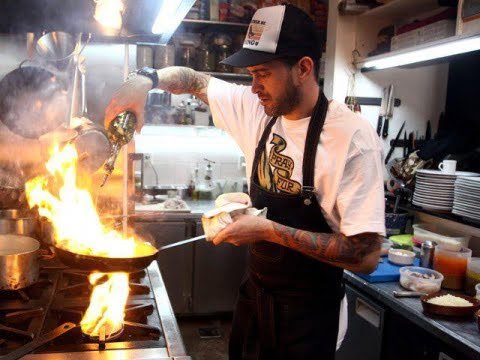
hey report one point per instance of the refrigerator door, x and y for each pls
(365, 328)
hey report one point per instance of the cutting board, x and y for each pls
(386, 271)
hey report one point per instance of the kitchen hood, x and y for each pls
(74, 16)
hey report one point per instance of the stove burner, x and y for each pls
(102, 337)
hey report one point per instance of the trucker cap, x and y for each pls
(276, 32)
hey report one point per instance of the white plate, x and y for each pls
(475, 179)
(432, 207)
(435, 181)
(436, 190)
(434, 197)
(465, 214)
(441, 174)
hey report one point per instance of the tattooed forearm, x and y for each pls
(350, 252)
(180, 80)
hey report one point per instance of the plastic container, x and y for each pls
(440, 236)
(452, 265)
(473, 275)
(401, 257)
(420, 279)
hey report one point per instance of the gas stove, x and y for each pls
(42, 321)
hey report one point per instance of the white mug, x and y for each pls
(448, 166)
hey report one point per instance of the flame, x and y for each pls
(77, 228)
(107, 304)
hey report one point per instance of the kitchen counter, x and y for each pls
(461, 334)
(156, 213)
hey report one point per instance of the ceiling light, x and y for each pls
(169, 17)
(109, 13)
(441, 49)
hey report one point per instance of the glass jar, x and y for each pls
(187, 55)
(473, 275)
(223, 51)
(205, 58)
(452, 265)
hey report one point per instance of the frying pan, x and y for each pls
(104, 264)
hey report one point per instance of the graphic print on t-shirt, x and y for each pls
(278, 180)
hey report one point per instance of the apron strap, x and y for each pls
(313, 138)
(260, 147)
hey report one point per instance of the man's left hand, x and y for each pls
(245, 229)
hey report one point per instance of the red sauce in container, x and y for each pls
(452, 265)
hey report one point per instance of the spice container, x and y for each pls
(453, 266)
(473, 275)
(223, 51)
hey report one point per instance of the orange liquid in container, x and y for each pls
(452, 265)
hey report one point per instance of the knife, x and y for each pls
(388, 111)
(428, 133)
(383, 108)
(394, 144)
(183, 242)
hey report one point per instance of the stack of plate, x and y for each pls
(434, 189)
(466, 202)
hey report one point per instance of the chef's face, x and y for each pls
(276, 87)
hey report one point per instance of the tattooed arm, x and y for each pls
(180, 80)
(358, 253)
(132, 94)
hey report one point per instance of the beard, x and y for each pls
(286, 102)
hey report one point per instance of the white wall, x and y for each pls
(176, 151)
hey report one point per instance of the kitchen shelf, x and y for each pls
(210, 25)
(401, 9)
(229, 76)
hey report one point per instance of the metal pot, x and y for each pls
(93, 147)
(33, 101)
(19, 261)
(23, 226)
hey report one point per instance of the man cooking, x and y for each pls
(314, 164)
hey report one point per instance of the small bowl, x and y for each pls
(410, 278)
(401, 257)
(459, 311)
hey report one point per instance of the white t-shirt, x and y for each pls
(348, 165)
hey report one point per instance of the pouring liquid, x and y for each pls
(120, 132)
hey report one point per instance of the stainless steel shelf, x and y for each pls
(209, 25)
(230, 76)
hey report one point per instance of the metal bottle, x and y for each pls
(426, 254)
(120, 132)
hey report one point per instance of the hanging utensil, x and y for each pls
(405, 144)
(389, 111)
(383, 108)
(428, 132)
(394, 144)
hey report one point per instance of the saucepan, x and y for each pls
(19, 261)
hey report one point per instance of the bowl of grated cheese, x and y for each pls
(450, 305)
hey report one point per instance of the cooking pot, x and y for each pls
(27, 226)
(19, 261)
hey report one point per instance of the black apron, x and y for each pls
(288, 304)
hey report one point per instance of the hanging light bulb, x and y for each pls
(109, 13)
